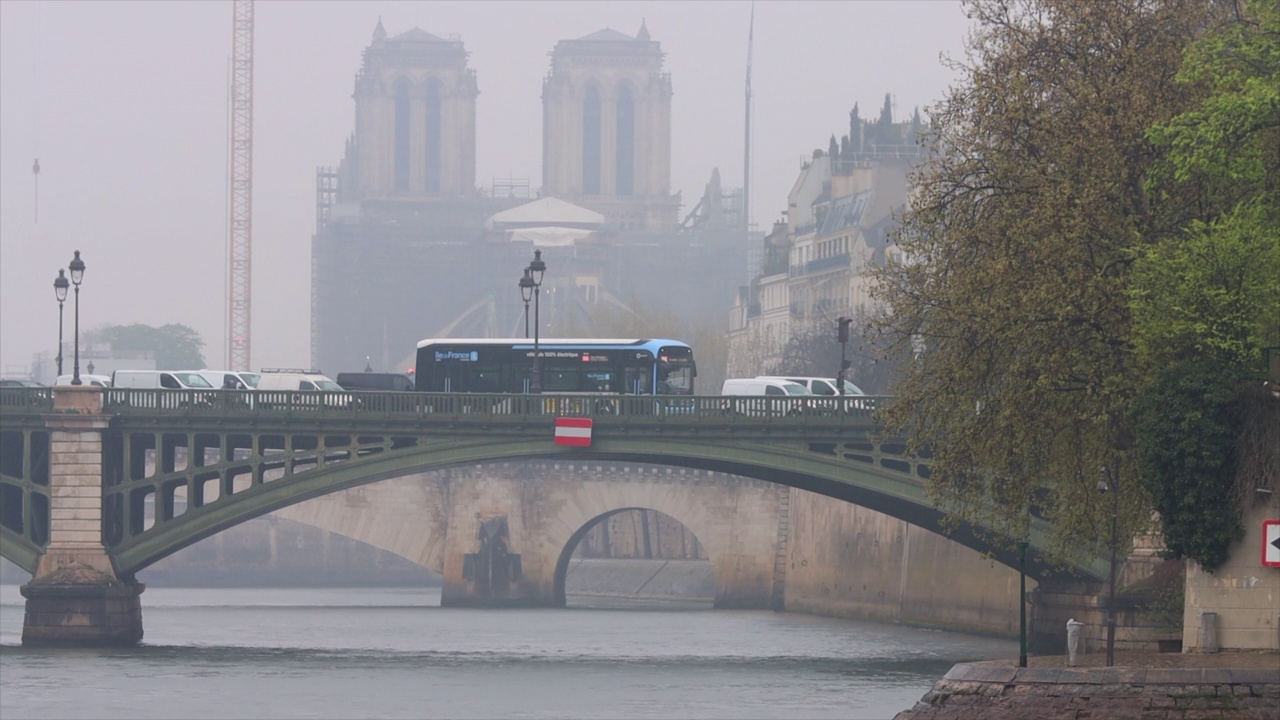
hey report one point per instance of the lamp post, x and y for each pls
(1107, 484)
(1022, 603)
(536, 270)
(77, 274)
(526, 292)
(60, 285)
(842, 335)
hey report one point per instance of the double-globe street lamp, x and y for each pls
(530, 288)
(76, 266)
(60, 286)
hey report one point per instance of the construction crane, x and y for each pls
(240, 190)
(746, 153)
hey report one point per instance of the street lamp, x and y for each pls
(60, 285)
(77, 274)
(536, 270)
(1106, 483)
(526, 292)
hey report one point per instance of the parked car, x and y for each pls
(159, 380)
(824, 388)
(293, 387)
(229, 379)
(817, 385)
(20, 383)
(85, 379)
(764, 397)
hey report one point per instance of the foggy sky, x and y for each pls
(125, 105)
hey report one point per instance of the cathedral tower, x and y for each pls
(606, 129)
(415, 119)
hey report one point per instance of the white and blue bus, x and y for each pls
(626, 367)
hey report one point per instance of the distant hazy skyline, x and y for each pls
(124, 104)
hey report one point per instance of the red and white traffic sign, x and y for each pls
(1271, 543)
(573, 431)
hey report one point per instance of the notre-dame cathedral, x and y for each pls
(408, 246)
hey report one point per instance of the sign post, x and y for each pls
(1271, 543)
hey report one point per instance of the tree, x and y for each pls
(813, 351)
(1017, 245)
(1207, 301)
(175, 347)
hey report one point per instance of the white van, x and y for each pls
(827, 399)
(281, 387)
(230, 379)
(95, 380)
(159, 380)
(817, 385)
(768, 397)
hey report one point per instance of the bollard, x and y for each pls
(1073, 641)
(1208, 632)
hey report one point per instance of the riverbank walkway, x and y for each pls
(1140, 686)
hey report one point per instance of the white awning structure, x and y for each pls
(547, 212)
(549, 236)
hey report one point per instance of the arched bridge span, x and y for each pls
(178, 467)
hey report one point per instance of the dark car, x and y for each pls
(20, 383)
(365, 381)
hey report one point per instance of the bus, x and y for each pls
(580, 366)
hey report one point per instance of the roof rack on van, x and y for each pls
(291, 370)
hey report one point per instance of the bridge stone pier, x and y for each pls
(74, 597)
(501, 534)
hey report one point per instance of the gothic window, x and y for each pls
(433, 136)
(402, 135)
(591, 142)
(626, 142)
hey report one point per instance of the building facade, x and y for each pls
(405, 246)
(415, 119)
(607, 129)
(817, 260)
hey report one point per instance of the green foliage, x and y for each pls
(1213, 293)
(174, 346)
(1230, 144)
(1187, 424)
(1206, 301)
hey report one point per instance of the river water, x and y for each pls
(394, 653)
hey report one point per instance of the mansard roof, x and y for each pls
(415, 35)
(846, 212)
(608, 35)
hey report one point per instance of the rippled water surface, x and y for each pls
(393, 653)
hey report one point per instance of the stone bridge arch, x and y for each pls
(434, 519)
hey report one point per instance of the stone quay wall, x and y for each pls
(1242, 594)
(996, 691)
(847, 561)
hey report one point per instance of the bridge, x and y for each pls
(116, 479)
